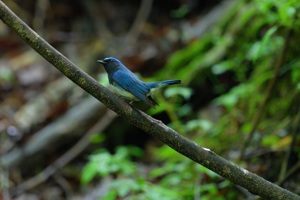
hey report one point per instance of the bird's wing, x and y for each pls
(132, 84)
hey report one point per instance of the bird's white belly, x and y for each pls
(123, 93)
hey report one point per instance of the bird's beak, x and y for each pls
(101, 61)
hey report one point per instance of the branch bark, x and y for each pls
(188, 148)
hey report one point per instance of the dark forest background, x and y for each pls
(240, 69)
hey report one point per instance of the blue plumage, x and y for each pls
(128, 85)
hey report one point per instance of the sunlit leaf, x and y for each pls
(183, 91)
(258, 47)
(270, 140)
(111, 195)
(222, 67)
(202, 124)
(89, 172)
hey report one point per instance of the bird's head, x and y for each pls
(110, 64)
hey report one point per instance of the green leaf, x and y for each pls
(185, 92)
(270, 140)
(180, 12)
(205, 125)
(111, 195)
(222, 67)
(97, 138)
(231, 98)
(258, 47)
(89, 172)
(6, 74)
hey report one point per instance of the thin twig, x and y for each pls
(293, 170)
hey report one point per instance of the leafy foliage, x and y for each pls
(103, 163)
(160, 183)
(249, 65)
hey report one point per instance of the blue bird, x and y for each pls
(128, 85)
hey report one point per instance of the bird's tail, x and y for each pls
(159, 84)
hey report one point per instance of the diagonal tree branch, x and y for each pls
(203, 156)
